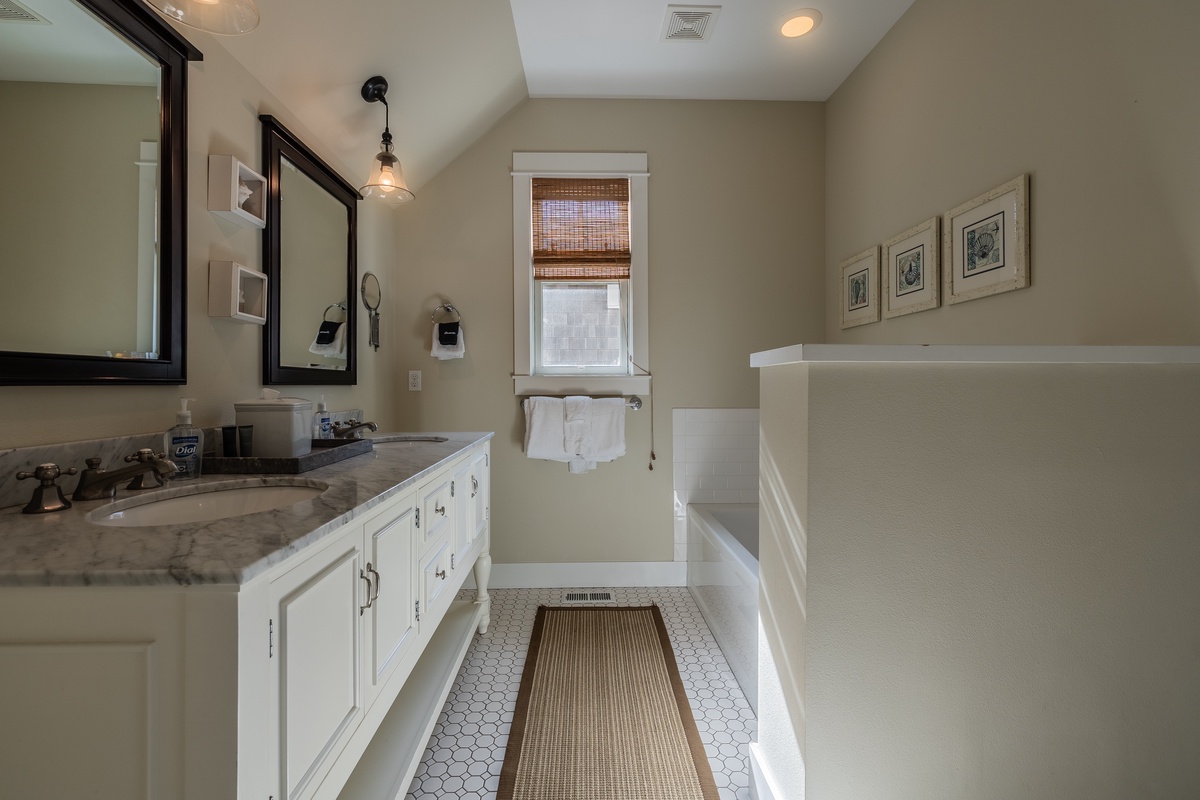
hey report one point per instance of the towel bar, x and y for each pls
(633, 402)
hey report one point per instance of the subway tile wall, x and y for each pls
(715, 461)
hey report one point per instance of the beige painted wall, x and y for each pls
(70, 153)
(735, 266)
(1002, 595)
(1092, 100)
(223, 363)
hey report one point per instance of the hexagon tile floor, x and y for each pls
(466, 750)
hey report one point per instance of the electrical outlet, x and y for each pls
(414, 380)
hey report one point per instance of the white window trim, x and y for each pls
(579, 165)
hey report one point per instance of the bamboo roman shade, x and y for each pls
(581, 229)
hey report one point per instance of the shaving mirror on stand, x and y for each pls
(309, 250)
(371, 295)
(93, 249)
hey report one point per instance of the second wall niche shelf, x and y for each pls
(237, 292)
(236, 192)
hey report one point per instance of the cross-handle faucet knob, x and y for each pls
(145, 455)
(48, 496)
(149, 479)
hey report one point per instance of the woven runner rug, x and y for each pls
(602, 714)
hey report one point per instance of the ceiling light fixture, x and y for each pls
(222, 17)
(801, 22)
(386, 183)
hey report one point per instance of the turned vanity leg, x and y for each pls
(483, 569)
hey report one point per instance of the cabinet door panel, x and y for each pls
(392, 621)
(318, 686)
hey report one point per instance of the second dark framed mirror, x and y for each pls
(310, 255)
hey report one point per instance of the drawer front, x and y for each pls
(436, 570)
(437, 511)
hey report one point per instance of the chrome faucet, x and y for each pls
(96, 483)
(351, 429)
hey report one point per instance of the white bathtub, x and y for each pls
(723, 578)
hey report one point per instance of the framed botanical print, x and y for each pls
(860, 289)
(986, 243)
(911, 281)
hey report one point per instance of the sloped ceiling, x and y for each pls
(456, 67)
(453, 69)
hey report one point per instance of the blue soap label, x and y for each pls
(184, 446)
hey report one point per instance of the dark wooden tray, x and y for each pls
(324, 452)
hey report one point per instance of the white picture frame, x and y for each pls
(985, 246)
(859, 289)
(910, 271)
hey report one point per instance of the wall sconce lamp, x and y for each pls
(222, 17)
(386, 183)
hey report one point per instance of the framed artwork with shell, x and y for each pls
(860, 289)
(911, 281)
(985, 247)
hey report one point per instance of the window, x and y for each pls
(579, 270)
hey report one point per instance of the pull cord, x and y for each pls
(650, 398)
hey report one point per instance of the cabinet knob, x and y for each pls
(439, 510)
(441, 573)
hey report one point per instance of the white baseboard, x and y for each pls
(762, 785)
(586, 575)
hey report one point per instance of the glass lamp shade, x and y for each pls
(386, 183)
(224, 17)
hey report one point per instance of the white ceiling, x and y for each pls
(457, 66)
(72, 46)
(614, 48)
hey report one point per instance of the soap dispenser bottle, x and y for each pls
(322, 428)
(184, 443)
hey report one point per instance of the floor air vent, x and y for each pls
(577, 597)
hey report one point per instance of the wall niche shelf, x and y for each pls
(237, 292)
(236, 192)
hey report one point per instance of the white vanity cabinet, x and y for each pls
(329, 667)
(342, 618)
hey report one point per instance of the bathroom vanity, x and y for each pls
(270, 656)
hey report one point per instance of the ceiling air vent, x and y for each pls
(12, 12)
(686, 23)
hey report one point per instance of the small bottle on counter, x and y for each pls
(322, 427)
(184, 444)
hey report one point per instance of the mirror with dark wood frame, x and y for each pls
(310, 255)
(94, 257)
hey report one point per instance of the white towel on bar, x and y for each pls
(442, 352)
(577, 413)
(578, 430)
(606, 430)
(544, 429)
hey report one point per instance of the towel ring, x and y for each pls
(448, 308)
(325, 315)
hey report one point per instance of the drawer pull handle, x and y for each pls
(374, 572)
(364, 576)
(441, 573)
(439, 510)
(474, 486)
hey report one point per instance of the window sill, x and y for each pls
(624, 385)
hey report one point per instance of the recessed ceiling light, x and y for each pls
(801, 22)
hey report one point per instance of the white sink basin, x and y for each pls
(405, 438)
(206, 503)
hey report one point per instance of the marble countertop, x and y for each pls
(64, 549)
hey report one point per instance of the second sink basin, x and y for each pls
(405, 438)
(206, 502)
